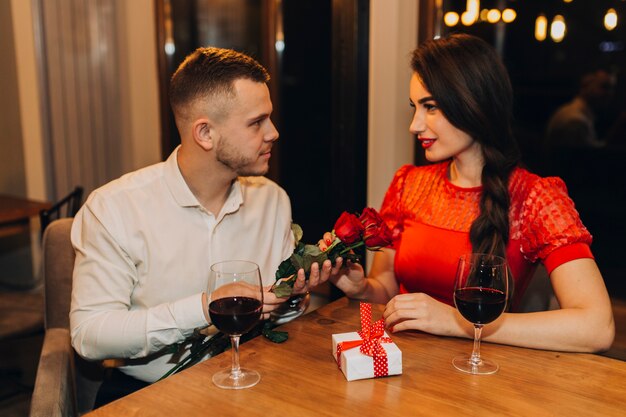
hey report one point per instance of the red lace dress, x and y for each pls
(431, 219)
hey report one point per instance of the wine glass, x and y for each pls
(236, 301)
(480, 292)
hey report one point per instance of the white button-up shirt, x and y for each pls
(144, 246)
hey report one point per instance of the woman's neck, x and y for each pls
(465, 174)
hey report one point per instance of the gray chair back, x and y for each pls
(66, 385)
(58, 267)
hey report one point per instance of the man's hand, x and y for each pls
(270, 302)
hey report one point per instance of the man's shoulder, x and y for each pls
(131, 182)
(572, 111)
(263, 183)
(262, 188)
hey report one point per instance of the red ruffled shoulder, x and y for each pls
(391, 210)
(549, 220)
(409, 193)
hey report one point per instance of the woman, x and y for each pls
(476, 198)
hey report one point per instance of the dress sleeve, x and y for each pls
(392, 210)
(551, 227)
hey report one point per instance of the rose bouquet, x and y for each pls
(350, 232)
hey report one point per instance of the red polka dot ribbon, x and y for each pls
(371, 341)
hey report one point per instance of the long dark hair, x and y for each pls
(472, 89)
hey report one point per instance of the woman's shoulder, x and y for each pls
(414, 173)
(412, 184)
(525, 184)
(543, 216)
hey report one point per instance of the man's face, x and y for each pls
(247, 134)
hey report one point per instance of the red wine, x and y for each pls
(235, 315)
(479, 305)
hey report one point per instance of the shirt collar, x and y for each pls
(183, 195)
(176, 183)
(234, 199)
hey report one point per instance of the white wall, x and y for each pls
(393, 35)
(140, 81)
(12, 178)
(29, 98)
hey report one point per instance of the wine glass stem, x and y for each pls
(235, 370)
(475, 358)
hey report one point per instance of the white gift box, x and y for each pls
(356, 365)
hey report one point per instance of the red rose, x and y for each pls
(377, 234)
(370, 217)
(348, 228)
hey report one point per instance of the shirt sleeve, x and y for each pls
(392, 210)
(288, 239)
(551, 227)
(103, 324)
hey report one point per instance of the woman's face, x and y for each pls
(438, 137)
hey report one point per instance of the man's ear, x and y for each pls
(203, 133)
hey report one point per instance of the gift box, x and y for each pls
(369, 353)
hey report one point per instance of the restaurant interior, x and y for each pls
(85, 101)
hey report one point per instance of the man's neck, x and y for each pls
(209, 184)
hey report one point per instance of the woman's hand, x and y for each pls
(418, 311)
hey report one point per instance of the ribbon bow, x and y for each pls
(371, 341)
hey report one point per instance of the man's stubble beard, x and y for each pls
(231, 158)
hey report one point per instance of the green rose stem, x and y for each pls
(284, 287)
(218, 343)
(349, 248)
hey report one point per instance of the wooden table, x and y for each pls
(15, 213)
(300, 378)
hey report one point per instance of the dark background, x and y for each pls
(319, 90)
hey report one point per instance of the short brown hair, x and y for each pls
(210, 72)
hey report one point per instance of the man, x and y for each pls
(573, 124)
(145, 242)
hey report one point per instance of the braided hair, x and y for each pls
(473, 91)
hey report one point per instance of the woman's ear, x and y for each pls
(203, 133)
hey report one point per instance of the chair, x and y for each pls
(66, 207)
(66, 385)
(22, 311)
(21, 321)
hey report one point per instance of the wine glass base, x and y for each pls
(294, 307)
(247, 378)
(485, 367)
